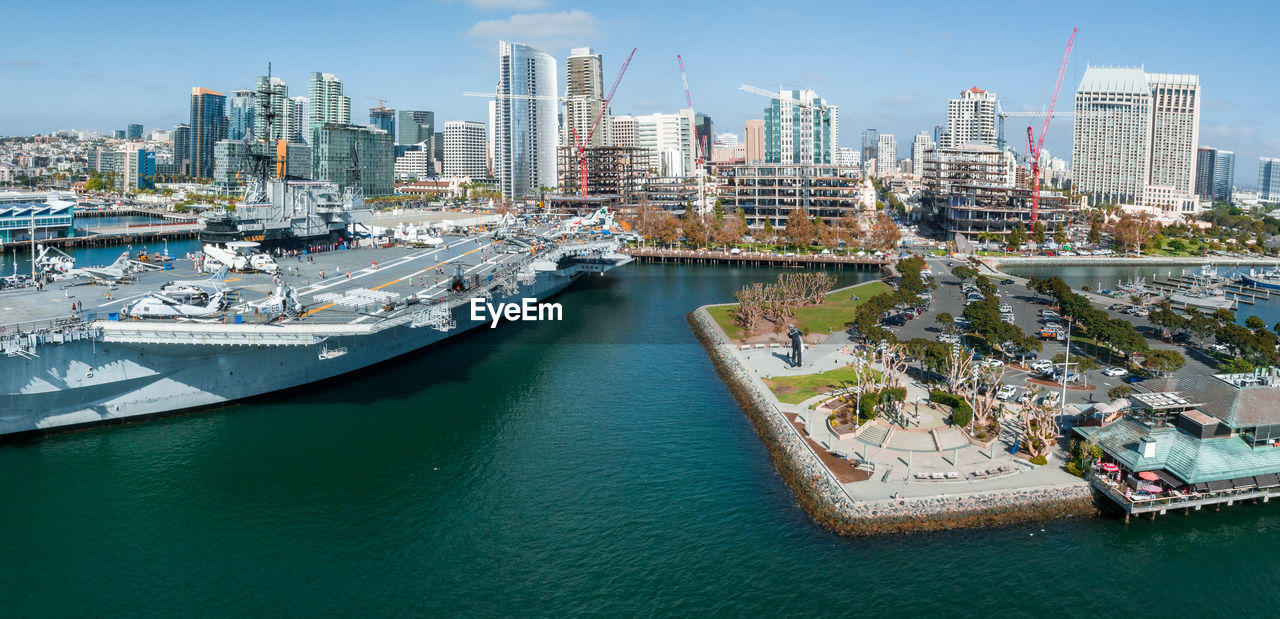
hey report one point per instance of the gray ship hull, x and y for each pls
(91, 381)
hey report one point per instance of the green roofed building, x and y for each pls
(1190, 441)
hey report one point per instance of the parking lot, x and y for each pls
(947, 297)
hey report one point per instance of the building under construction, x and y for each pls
(618, 177)
(980, 190)
(769, 192)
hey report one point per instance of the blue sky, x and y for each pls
(891, 66)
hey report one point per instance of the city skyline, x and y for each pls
(902, 94)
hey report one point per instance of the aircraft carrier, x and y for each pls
(74, 355)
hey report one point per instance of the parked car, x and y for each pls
(1024, 397)
(1006, 392)
(1043, 366)
(1221, 348)
(993, 363)
(1118, 307)
(1007, 318)
(1115, 371)
(948, 338)
(1051, 399)
(1005, 308)
(1006, 282)
(1140, 312)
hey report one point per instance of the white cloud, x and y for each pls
(513, 5)
(552, 30)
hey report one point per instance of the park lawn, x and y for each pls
(837, 310)
(830, 316)
(723, 315)
(796, 389)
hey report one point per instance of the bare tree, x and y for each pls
(984, 404)
(959, 367)
(1039, 428)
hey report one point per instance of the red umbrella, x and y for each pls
(1149, 476)
(1109, 467)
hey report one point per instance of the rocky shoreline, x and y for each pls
(825, 500)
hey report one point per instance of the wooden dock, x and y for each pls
(689, 256)
(1187, 501)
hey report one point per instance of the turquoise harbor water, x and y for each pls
(592, 466)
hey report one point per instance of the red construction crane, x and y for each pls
(699, 141)
(578, 144)
(1033, 144)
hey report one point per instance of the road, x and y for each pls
(948, 298)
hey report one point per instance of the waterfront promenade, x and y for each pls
(924, 477)
(755, 258)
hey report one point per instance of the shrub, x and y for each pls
(961, 415)
(1119, 391)
(1040, 460)
(1074, 470)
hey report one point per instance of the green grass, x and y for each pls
(831, 315)
(723, 315)
(796, 389)
(837, 310)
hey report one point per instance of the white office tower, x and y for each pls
(524, 157)
(1175, 130)
(670, 137)
(728, 139)
(848, 157)
(464, 149)
(584, 100)
(921, 148)
(1135, 139)
(886, 155)
(971, 118)
(328, 104)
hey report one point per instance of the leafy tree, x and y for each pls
(1119, 391)
(1177, 245)
(1060, 235)
(964, 273)
(1255, 323)
(1163, 362)
(947, 321)
(1235, 365)
(1037, 232)
(800, 230)
(1095, 232)
(769, 233)
(1017, 236)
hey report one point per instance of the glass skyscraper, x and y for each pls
(241, 114)
(1269, 179)
(383, 118)
(208, 125)
(525, 129)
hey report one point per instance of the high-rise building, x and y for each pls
(240, 114)
(886, 154)
(118, 134)
(208, 125)
(1175, 130)
(134, 133)
(383, 118)
(972, 118)
(437, 149)
(415, 127)
(870, 139)
(464, 149)
(704, 126)
(1136, 137)
(1215, 174)
(1111, 146)
(328, 104)
(182, 149)
(296, 120)
(1224, 176)
(524, 157)
(801, 128)
(668, 138)
(623, 129)
(375, 153)
(139, 168)
(921, 149)
(584, 100)
(415, 163)
(272, 94)
(230, 164)
(1269, 179)
(755, 141)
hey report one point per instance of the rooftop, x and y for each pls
(1119, 80)
(1190, 459)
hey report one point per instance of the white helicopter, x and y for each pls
(412, 235)
(239, 256)
(157, 305)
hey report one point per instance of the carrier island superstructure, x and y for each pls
(313, 318)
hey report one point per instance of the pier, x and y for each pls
(1215, 494)
(688, 256)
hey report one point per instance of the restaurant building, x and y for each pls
(1191, 441)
